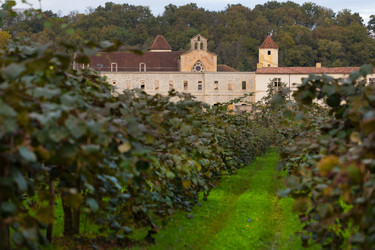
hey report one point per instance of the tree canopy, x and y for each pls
(306, 33)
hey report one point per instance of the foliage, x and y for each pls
(120, 159)
(4, 37)
(234, 34)
(243, 212)
(331, 162)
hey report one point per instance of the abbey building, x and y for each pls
(196, 71)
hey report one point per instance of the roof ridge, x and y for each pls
(268, 43)
(160, 43)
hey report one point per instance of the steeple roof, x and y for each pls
(268, 43)
(160, 43)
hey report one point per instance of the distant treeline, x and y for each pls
(306, 33)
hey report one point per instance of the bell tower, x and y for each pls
(198, 43)
(268, 54)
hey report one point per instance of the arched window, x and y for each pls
(142, 67)
(113, 66)
(195, 45)
(230, 86)
(156, 84)
(198, 67)
(143, 85)
(201, 46)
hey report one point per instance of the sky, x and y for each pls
(364, 7)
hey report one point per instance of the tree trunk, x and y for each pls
(4, 236)
(72, 216)
(76, 220)
(68, 220)
(52, 204)
(77, 211)
(4, 227)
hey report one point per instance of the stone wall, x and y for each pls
(215, 87)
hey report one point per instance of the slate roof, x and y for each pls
(225, 68)
(155, 61)
(268, 43)
(160, 43)
(306, 70)
(128, 61)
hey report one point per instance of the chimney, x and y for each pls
(318, 65)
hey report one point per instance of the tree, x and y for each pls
(4, 37)
(371, 25)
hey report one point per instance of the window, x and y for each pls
(113, 66)
(200, 86)
(186, 86)
(198, 67)
(114, 82)
(196, 45)
(277, 82)
(142, 67)
(216, 85)
(230, 86)
(201, 46)
(199, 38)
(128, 84)
(269, 52)
(156, 85)
(143, 85)
(170, 85)
(243, 85)
(269, 65)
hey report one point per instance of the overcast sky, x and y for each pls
(364, 7)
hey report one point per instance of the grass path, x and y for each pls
(243, 212)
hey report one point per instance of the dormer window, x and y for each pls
(142, 67)
(113, 66)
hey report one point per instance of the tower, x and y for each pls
(198, 43)
(268, 54)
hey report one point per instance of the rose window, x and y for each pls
(198, 67)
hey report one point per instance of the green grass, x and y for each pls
(243, 212)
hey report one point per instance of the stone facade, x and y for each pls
(197, 72)
(209, 87)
